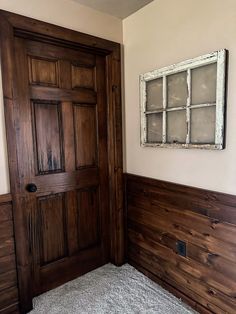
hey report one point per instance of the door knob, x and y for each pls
(31, 187)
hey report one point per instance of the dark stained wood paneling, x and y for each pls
(48, 137)
(6, 229)
(5, 198)
(43, 71)
(52, 221)
(8, 280)
(82, 77)
(6, 246)
(88, 218)
(161, 213)
(8, 262)
(8, 277)
(85, 123)
(9, 300)
(5, 211)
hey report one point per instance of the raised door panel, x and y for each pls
(88, 218)
(43, 71)
(83, 77)
(48, 137)
(52, 222)
(85, 123)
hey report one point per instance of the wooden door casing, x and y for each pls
(46, 92)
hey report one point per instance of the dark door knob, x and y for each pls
(31, 187)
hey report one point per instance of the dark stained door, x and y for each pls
(62, 160)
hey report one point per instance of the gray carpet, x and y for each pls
(110, 289)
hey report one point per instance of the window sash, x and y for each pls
(219, 58)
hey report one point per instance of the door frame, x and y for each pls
(16, 25)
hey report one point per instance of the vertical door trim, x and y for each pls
(10, 26)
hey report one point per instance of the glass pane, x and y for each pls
(154, 128)
(176, 126)
(154, 94)
(203, 125)
(177, 91)
(204, 84)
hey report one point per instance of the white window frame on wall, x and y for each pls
(218, 57)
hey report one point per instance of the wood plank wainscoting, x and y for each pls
(8, 277)
(159, 214)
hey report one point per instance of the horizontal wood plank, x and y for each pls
(7, 263)
(11, 309)
(159, 214)
(5, 198)
(8, 280)
(6, 229)
(7, 247)
(8, 297)
(215, 205)
(5, 212)
(170, 287)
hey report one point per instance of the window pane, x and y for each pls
(203, 125)
(176, 126)
(177, 91)
(154, 128)
(154, 94)
(204, 84)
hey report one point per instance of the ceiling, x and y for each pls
(118, 8)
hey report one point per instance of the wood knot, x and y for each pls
(211, 292)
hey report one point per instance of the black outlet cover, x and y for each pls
(181, 248)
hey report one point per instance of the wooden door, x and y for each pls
(64, 134)
(62, 157)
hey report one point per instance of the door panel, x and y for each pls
(47, 137)
(43, 71)
(52, 225)
(63, 114)
(83, 77)
(88, 218)
(85, 122)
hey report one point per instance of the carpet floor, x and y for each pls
(110, 289)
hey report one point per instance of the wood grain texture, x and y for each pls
(88, 218)
(43, 71)
(115, 151)
(8, 274)
(161, 213)
(46, 210)
(52, 222)
(47, 137)
(22, 37)
(82, 77)
(85, 123)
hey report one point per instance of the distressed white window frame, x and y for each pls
(218, 57)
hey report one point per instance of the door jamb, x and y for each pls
(16, 25)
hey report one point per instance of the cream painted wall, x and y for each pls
(162, 33)
(65, 13)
